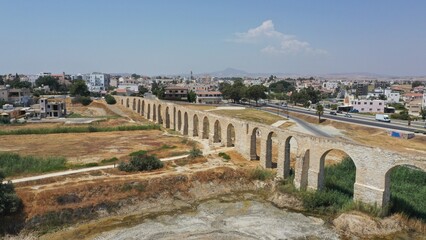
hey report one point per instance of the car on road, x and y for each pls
(354, 111)
(333, 113)
(348, 115)
(339, 111)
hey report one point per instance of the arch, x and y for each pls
(290, 154)
(127, 103)
(230, 135)
(253, 144)
(134, 104)
(195, 126)
(185, 123)
(160, 118)
(333, 157)
(122, 102)
(139, 106)
(143, 107)
(154, 112)
(217, 132)
(271, 151)
(179, 121)
(167, 117)
(206, 128)
(149, 111)
(404, 199)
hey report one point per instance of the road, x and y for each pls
(356, 120)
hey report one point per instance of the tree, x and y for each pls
(256, 92)
(79, 88)
(1, 80)
(192, 96)
(281, 86)
(416, 84)
(382, 97)
(50, 81)
(158, 90)
(110, 99)
(423, 113)
(142, 90)
(136, 76)
(320, 112)
(9, 201)
(236, 91)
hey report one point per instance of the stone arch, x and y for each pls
(271, 156)
(122, 102)
(217, 132)
(255, 134)
(387, 194)
(230, 135)
(134, 104)
(154, 112)
(167, 117)
(332, 157)
(179, 121)
(160, 117)
(185, 123)
(139, 106)
(127, 103)
(290, 155)
(149, 111)
(206, 128)
(195, 126)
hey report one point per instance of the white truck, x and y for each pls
(382, 118)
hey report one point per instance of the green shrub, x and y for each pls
(140, 161)
(195, 152)
(261, 174)
(224, 156)
(325, 200)
(10, 203)
(82, 99)
(110, 160)
(110, 99)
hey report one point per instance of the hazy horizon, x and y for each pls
(176, 37)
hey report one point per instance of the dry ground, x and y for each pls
(200, 107)
(94, 147)
(250, 114)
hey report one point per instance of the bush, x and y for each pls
(325, 201)
(195, 152)
(140, 161)
(224, 156)
(14, 164)
(261, 174)
(83, 100)
(10, 203)
(110, 99)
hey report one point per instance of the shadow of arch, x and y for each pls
(206, 128)
(230, 135)
(254, 142)
(179, 121)
(167, 117)
(217, 132)
(185, 123)
(195, 126)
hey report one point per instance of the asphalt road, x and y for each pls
(347, 119)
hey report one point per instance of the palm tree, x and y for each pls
(320, 111)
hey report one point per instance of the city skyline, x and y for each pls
(167, 37)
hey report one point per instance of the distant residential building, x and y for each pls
(361, 89)
(414, 107)
(408, 97)
(52, 108)
(176, 93)
(381, 84)
(4, 94)
(19, 96)
(424, 100)
(392, 96)
(209, 97)
(368, 106)
(98, 82)
(330, 85)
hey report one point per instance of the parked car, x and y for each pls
(348, 115)
(339, 111)
(354, 111)
(333, 113)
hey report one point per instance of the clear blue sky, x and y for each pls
(171, 37)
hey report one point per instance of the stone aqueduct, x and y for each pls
(373, 165)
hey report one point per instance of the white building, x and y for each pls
(424, 100)
(392, 97)
(98, 82)
(330, 85)
(369, 106)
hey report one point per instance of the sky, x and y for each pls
(176, 37)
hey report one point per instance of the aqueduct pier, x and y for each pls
(373, 165)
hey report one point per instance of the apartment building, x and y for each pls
(368, 106)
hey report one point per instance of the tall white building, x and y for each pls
(424, 100)
(98, 82)
(392, 97)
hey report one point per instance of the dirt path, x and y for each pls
(117, 111)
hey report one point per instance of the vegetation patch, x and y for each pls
(86, 129)
(13, 164)
(110, 99)
(195, 152)
(224, 156)
(261, 174)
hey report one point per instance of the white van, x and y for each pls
(382, 118)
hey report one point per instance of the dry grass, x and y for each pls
(250, 114)
(93, 147)
(200, 107)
